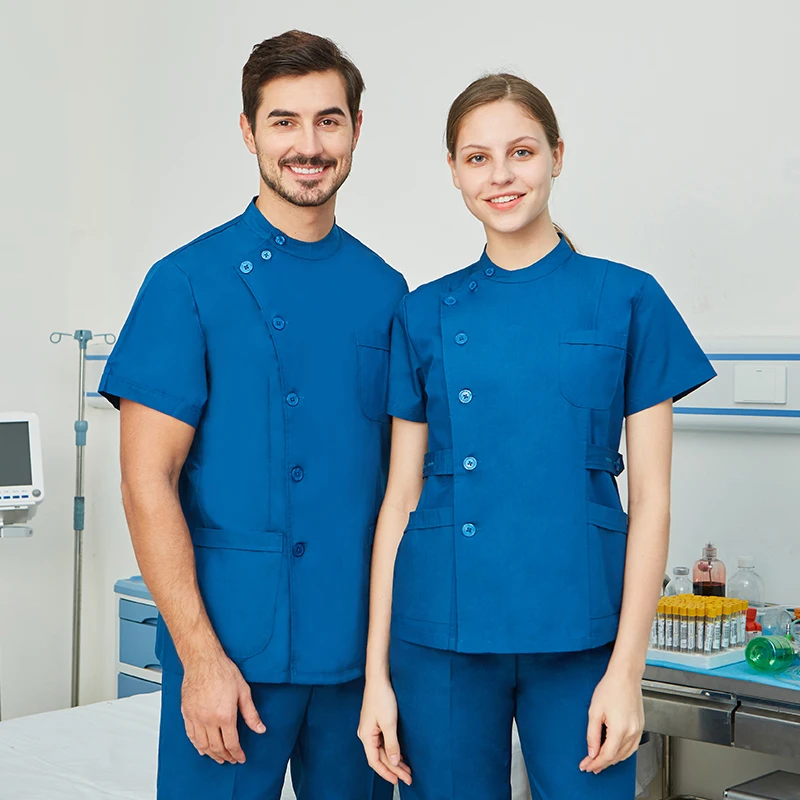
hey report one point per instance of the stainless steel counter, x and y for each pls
(720, 710)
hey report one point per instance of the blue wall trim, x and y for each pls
(736, 412)
(753, 356)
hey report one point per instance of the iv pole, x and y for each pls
(79, 504)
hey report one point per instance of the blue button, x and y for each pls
(488, 272)
(473, 285)
(461, 338)
(465, 396)
(246, 267)
(280, 239)
(449, 301)
(278, 323)
(292, 399)
(298, 474)
(470, 463)
(266, 255)
(468, 529)
(298, 550)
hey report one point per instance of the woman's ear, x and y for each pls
(558, 158)
(452, 165)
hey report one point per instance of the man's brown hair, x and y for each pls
(296, 53)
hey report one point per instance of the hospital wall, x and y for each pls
(121, 142)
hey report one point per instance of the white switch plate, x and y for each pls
(759, 384)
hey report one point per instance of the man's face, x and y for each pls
(304, 137)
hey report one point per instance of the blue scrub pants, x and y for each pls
(315, 726)
(455, 720)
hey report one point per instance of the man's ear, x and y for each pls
(247, 133)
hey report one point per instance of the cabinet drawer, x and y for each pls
(138, 612)
(127, 686)
(137, 643)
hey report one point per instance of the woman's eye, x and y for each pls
(476, 159)
(523, 151)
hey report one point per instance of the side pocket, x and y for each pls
(423, 569)
(238, 573)
(591, 366)
(607, 539)
(373, 376)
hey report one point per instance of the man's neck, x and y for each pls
(304, 223)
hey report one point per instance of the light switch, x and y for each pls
(762, 385)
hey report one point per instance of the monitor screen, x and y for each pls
(15, 454)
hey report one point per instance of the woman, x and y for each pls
(520, 589)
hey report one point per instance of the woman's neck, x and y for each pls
(524, 247)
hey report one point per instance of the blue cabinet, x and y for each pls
(138, 670)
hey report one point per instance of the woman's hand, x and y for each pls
(378, 732)
(617, 704)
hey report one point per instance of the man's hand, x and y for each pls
(213, 694)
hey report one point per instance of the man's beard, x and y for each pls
(312, 194)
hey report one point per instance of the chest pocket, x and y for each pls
(590, 366)
(373, 376)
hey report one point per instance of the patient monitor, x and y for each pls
(21, 479)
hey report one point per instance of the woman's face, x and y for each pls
(504, 166)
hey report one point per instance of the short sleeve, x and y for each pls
(406, 390)
(159, 358)
(664, 359)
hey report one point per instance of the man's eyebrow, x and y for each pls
(326, 112)
(333, 111)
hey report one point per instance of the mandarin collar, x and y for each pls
(281, 243)
(544, 266)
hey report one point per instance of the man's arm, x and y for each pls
(153, 448)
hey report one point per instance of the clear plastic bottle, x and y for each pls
(708, 576)
(747, 584)
(770, 653)
(681, 583)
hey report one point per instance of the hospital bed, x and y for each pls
(105, 751)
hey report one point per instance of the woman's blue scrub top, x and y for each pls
(524, 378)
(277, 352)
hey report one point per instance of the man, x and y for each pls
(251, 378)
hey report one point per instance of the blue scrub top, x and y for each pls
(524, 378)
(277, 352)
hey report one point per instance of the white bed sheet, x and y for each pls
(107, 751)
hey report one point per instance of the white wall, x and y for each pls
(120, 142)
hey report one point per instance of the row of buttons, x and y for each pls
(473, 285)
(14, 496)
(247, 266)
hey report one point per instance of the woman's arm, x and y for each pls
(378, 727)
(617, 701)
